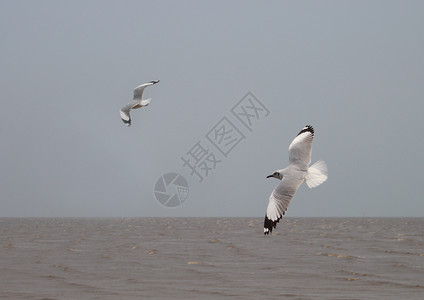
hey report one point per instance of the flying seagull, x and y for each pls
(137, 102)
(292, 177)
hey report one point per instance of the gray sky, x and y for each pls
(352, 69)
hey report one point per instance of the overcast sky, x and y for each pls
(352, 69)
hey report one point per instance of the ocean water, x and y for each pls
(211, 258)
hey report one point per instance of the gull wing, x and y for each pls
(125, 112)
(300, 149)
(138, 91)
(279, 201)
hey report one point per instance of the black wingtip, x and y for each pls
(128, 123)
(307, 128)
(269, 225)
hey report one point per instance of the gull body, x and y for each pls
(300, 151)
(137, 102)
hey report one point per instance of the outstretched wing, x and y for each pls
(300, 149)
(125, 112)
(279, 201)
(138, 91)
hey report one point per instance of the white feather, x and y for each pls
(145, 102)
(317, 174)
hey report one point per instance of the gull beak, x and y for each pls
(272, 175)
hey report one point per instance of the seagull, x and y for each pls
(292, 177)
(137, 102)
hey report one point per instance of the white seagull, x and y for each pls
(137, 102)
(292, 177)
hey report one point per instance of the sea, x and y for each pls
(211, 258)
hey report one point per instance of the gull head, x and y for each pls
(277, 174)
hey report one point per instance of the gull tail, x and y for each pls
(145, 102)
(317, 174)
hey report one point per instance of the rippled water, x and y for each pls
(209, 258)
